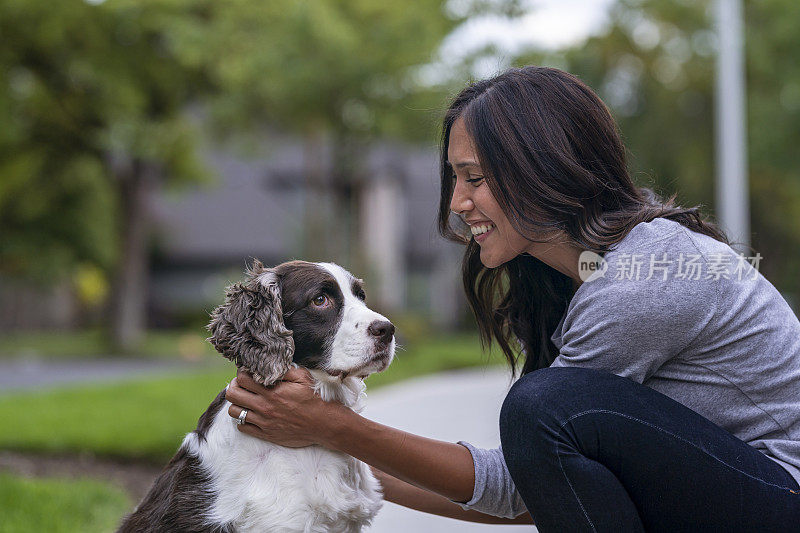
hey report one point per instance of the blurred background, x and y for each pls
(150, 148)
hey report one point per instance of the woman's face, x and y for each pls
(473, 200)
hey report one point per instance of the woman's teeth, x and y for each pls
(479, 230)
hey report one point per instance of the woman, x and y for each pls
(660, 384)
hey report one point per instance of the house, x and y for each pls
(261, 205)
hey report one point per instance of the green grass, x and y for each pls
(435, 355)
(142, 419)
(186, 344)
(54, 505)
(147, 419)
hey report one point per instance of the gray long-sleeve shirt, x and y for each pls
(695, 321)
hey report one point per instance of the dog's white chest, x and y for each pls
(259, 486)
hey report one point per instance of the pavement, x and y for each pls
(33, 373)
(458, 405)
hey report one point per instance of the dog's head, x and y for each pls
(312, 314)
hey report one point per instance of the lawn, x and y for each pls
(55, 506)
(143, 419)
(146, 419)
(138, 419)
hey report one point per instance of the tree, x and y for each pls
(100, 96)
(95, 107)
(327, 69)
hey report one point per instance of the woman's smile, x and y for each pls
(480, 233)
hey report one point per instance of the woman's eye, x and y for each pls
(320, 300)
(476, 180)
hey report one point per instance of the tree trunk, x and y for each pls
(348, 159)
(316, 224)
(129, 289)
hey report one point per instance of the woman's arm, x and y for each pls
(442, 467)
(407, 495)
(291, 414)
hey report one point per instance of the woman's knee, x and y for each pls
(546, 386)
(552, 394)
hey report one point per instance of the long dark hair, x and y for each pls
(553, 159)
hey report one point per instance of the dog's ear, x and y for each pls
(248, 328)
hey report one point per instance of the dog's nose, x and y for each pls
(383, 329)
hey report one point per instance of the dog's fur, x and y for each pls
(222, 480)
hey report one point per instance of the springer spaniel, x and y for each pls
(222, 480)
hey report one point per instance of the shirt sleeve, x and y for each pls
(631, 327)
(494, 493)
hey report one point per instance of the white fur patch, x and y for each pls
(267, 278)
(353, 345)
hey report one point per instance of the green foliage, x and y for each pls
(323, 65)
(94, 86)
(773, 97)
(55, 218)
(147, 419)
(55, 206)
(56, 506)
(89, 87)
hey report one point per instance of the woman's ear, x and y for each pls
(248, 328)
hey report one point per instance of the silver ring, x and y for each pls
(242, 416)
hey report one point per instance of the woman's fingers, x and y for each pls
(294, 375)
(253, 417)
(250, 426)
(286, 413)
(298, 375)
(246, 381)
(251, 430)
(257, 425)
(243, 397)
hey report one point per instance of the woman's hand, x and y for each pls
(291, 414)
(288, 413)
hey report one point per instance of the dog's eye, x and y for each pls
(320, 300)
(361, 295)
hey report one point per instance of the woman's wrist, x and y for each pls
(333, 422)
(441, 467)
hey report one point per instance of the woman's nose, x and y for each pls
(460, 201)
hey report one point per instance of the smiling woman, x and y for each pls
(652, 397)
(533, 164)
(535, 154)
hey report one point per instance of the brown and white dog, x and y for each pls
(222, 480)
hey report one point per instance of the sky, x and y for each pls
(550, 25)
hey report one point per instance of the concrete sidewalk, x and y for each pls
(33, 373)
(459, 405)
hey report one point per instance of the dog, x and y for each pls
(312, 315)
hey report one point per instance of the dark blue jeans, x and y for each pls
(592, 451)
